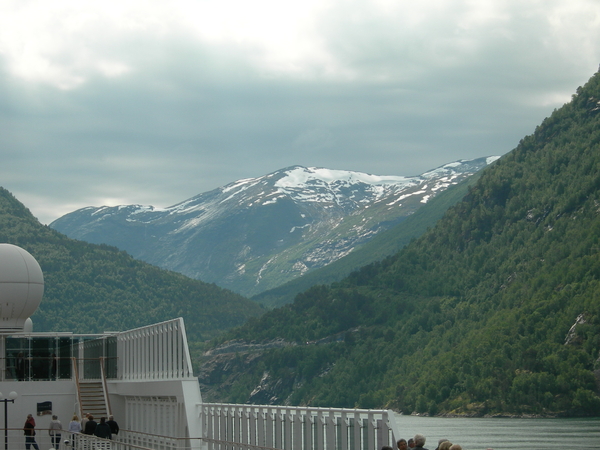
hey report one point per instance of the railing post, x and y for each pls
(356, 432)
(233, 431)
(279, 428)
(391, 420)
(243, 421)
(253, 426)
(344, 431)
(289, 429)
(222, 425)
(371, 432)
(320, 424)
(297, 434)
(272, 429)
(210, 429)
(308, 434)
(330, 430)
(260, 422)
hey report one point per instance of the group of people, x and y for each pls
(106, 429)
(418, 443)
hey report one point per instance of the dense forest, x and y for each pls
(94, 288)
(493, 311)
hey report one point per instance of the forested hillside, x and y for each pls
(94, 288)
(495, 310)
(383, 244)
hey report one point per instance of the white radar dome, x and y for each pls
(21, 287)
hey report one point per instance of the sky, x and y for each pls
(153, 102)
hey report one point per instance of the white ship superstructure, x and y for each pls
(144, 378)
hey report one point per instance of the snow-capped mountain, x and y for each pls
(257, 233)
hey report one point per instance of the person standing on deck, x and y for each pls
(419, 442)
(103, 430)
(55, 432)
(114, 426)
(29, 432)
(90, 425)
(74, 429)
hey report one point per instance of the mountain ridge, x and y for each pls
(256, 233)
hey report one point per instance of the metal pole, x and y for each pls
(6, 400)
(5, 423)
(13, 395)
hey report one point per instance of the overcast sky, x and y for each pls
(152, 102)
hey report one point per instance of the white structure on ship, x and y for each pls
(144, 378)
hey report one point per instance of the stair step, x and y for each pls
(92, 398)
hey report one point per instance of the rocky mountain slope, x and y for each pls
(495, 310)
(384, 244)
(255, 234)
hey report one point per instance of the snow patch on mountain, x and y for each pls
(299, 177)
(255, 232)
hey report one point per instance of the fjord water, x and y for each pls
(481, 434)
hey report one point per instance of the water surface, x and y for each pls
(481, 434)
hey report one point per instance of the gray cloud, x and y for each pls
(156, 110)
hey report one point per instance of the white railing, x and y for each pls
(15, 440)
(249, 427)
(137, 439)
(155, 352)
(87, 442)
(245, 427)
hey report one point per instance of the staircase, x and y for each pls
(91, 394)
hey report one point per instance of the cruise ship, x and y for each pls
(144, 378)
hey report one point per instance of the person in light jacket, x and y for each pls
(74, 429)
(55, 432)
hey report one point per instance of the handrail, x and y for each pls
(126, 437)
(297, 408)
(76, 378)
(105, 387)
(81, 441)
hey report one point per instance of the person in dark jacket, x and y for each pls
(103, 430)
(90, 425)
(29, 431)
(114, 426)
